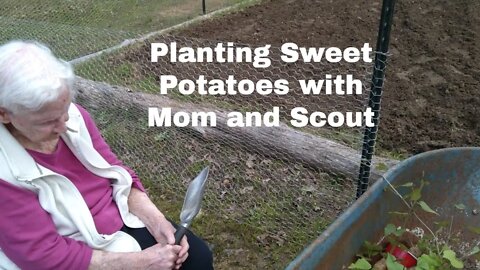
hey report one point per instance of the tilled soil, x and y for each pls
(431, 97)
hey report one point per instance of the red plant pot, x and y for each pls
(404, 257)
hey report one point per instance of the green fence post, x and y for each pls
(375, 98)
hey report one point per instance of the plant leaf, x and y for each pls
(360, 264)
(460, 206)
(392, 264)
(427, 208)
(400, 231)
(474, 251)
(391, 229)
(416, 194)
(398, 213)
(409, 184)
(370, 247)
(427, 262)
(452, 258)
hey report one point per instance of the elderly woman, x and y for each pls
(66, 201)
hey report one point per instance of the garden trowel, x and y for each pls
(192, 203)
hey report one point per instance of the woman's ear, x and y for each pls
(4, 116)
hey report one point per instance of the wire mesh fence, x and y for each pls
(269, 193)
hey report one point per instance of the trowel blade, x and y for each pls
(193, 198)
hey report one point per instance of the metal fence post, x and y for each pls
(375, 98)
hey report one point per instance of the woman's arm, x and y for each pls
(156, 257)
(29, 237)
(160, 228)
(141, 206)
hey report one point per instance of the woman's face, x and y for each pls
(46, 124)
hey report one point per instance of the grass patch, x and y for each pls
(77, 28)
(126, 15)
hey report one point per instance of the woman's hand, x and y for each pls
(158, 257)
(160, 228)
(162, 256)
(164, 233)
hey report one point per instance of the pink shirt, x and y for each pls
(27, 234)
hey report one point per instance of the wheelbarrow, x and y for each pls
(453, 175)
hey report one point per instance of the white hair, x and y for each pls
(31, 76)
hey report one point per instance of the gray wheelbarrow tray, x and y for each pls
(454, 177)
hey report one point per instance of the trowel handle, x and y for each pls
(179, 234)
